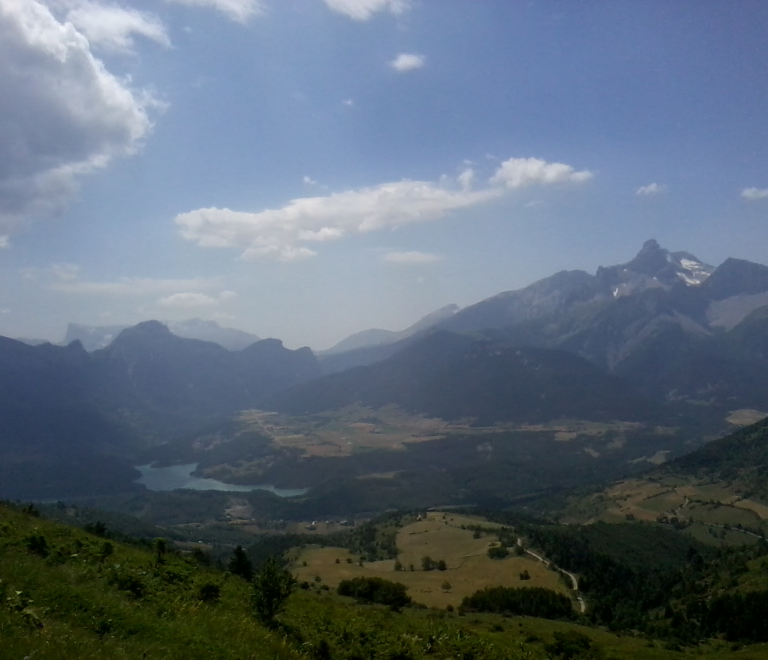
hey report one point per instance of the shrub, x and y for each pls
(572, 645)
(375, 590)
(239, 564)
(272, 586)
(498, 552)
(209, 592)
(526, 601)
(37, 544)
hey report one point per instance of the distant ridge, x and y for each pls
(376, 337)
(71, 421)
(96, 337)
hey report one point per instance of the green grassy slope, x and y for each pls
(66, 594)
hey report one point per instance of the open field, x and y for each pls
(358, 428)
(702, 504)
(352, 429)
(468, 566)
(745, 417)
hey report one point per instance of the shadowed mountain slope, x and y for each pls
(71, 422)
(456, 377)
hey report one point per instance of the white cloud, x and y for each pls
(754, 194)
(407, 62)
(132, 286)
(522, 172)
(282, 233)
(238, 10)
(112, 27)
(309, 181)
(411, 258)
(62, 114)
(188, 299)
(4, 242)
(66, 272)
(466, 178)
(651, 189)
(348, 102)
(185, 300)
(275, 233)
(362, 10)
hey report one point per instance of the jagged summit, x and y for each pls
(652, 267)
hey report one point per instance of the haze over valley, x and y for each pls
(383, 329)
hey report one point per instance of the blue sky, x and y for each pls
(305, 169)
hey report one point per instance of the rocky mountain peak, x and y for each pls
(654, 267)
(651, 258)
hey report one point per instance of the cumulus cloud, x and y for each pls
(411, 258)
(407, 62)
(466, 178)
(651, 189)
(753, 194)
(275, 233)
(362, 10)
(113, 28)
(238, 10)
(62, 114)
(283, 233)
(4, 242)
(523, 172)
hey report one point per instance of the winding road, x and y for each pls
(574, 579)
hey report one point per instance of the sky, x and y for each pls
(306, 169)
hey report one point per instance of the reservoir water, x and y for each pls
(180, 476)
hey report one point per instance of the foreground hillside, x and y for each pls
(66, 594)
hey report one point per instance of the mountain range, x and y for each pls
(672, 326)
(63, 406)
(94, 337)
(661, 339)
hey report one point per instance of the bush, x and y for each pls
(375, 590)
(37, 544)
(209, 592)
(498, 552)
(572, 645)
(239, 564)
(526, 601)
(272, 586)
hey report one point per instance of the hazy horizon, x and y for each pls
(311, 169)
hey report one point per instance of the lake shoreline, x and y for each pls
(178, 477)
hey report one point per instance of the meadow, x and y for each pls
(441, 536)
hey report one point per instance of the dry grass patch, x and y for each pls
(351, 429)
(468, 566)
(760, 509)
(745, 417)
